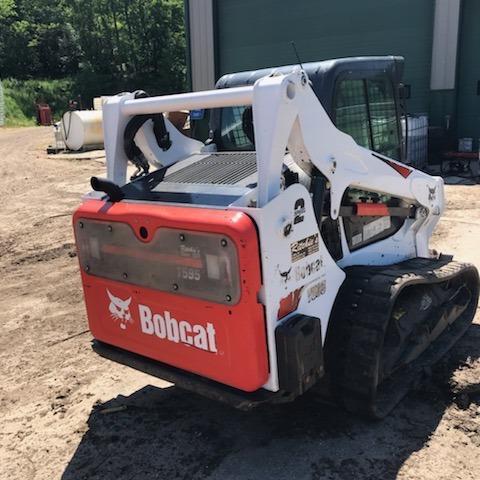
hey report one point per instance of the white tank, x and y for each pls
(82, 129)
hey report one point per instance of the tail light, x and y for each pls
(192, 263)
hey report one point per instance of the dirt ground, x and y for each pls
(54, 391)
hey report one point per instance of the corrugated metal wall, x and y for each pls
(468, 98)
(2, 106)
(252, 34)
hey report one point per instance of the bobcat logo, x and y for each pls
(432, 193)
(120, 310)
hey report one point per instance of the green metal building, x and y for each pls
(440, 40)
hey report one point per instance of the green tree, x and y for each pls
(36, 39)
(124, 42)
(133, 38)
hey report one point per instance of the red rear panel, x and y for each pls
(175, 284)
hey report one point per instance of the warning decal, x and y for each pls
(304, 247)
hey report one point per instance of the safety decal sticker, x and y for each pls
(299, 211)
(316, 290)
(376, 227)
(304, 247)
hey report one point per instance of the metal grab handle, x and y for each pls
(227, 97)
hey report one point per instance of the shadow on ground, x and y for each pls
(169, 433)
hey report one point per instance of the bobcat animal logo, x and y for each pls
(120, 310)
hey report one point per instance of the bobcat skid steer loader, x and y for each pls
(288, 250)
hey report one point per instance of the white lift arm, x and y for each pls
(287, 114)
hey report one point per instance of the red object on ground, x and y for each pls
(44, 114)
(164, 325)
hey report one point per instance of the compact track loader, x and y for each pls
(289, 250)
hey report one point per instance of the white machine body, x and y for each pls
(292, 127)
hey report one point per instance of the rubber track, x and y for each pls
(361, 315)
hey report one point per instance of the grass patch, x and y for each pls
(22, 95)
(14, 117)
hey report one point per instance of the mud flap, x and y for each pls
(299, 353)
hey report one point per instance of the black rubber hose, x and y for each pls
(113, 191)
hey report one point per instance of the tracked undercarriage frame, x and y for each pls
(390, 324)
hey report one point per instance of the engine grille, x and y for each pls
(217, 168)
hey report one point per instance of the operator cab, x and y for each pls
(360, 94)
(363, 97)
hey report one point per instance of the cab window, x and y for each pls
(383, 117)
(366, 110)
(351, 111)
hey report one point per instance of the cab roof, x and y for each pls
(325, 74)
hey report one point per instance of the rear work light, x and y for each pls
(191, 263)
